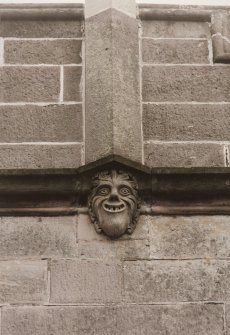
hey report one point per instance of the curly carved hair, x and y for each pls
(106, 176)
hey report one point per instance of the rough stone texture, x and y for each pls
(52, 123)
(175, 51)
(195, 236)
(132, 249)
(85, 281)
(25, 156)
(23, 282)
(73, 83)
(184, 155)
(186, 122)
(175, 29)
(86, 230)
(41, 28)
(42, 52)
(129, 320)
(29, 84)
(179, 320)
(188, 83)
(176, 281)
(37, 237)
(113, 101)
(227, 308)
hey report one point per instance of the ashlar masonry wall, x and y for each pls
(57, 275)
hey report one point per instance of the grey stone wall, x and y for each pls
(41, 60)
(57, 275)
(61, 277)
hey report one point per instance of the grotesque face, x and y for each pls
(113, 204)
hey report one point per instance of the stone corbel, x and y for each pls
(114, 191)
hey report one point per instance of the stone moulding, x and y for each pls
(162, 191)
(42, 11)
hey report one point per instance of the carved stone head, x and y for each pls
(113, 203)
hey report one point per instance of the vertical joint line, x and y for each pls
(83, 99)
(1, 51)
(61, 97)
(225, 323)
(226, 156)
(141, 100)
(210, 51)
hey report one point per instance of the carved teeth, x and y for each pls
(114, 208)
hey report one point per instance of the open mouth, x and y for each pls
(114, 208)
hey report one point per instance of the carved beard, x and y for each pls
(114, 224)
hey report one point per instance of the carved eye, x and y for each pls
(124, 191)
(103, 191)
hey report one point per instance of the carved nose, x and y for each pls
(114, 196)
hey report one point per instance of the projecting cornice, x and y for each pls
(165, 191)
(42, 11)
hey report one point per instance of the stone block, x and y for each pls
(184, 155)
(42, 51)
(113, 118)
(34, 156)
(37, 237)
(59, 320)
(52, 123)
(87, 232)
(85, 281)
(195, 236)
(183, 319)
(41, 28)
(202, 319)
(227, 310)
(73, 83)
(94, 7)
(176, 281)
(23, 282)
(186, 83)
(186, 122)
(175, 51)
(29, 84)
(175, 29)
(119, 250)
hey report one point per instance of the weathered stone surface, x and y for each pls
(59, 321)
(42, 52)
(37, 237)
(86, 231)
(176, 281)
(175, 29)
(73, 83)
(40, 28)
(195, 236)
(85, 281)
(202, 319)
(227, 308)
(186, 122)
(131, 249)
(94, 7)
(174, 320)
(113, 101)
(186, 83)
(29, 84)
(23, 282)
(184, 155)
(27, 156)
(175, 51)
(52, 123)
